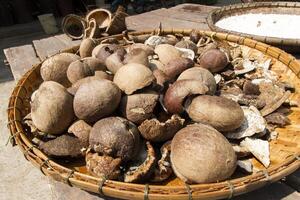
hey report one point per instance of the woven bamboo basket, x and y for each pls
(285, 150)
(290, 45)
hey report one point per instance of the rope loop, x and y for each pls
(101, 184)
(12, 138)
(68, 178)
(25, 153)
(231, 189)
(43, 163)
(146, 192)
(189, 190)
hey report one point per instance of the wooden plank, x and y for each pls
(189, 7)
(21, 59)
(182, 16)
(52, 45)
(67, 40)
(150, 21)
(47, 47)
(188, 12)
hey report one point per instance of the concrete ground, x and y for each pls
(21, 181)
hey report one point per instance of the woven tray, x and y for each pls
(291, 45)
(285, 151)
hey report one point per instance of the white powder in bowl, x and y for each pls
(271, 25)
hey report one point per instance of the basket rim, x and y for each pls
(223, 189)
(276, 41)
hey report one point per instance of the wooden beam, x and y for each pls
(21, 59)
(52, 45)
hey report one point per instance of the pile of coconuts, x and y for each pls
(145, 109)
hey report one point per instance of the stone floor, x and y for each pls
(21, 181)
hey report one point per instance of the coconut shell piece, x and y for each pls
(99, 75)
(246, 165)
(253, 123)
(187, 44)
(218, 78)
(104, 75)
(270, 93)
(174, 67)
(214, 60)
(35, 131)
(166, 53)
(115, 137)
(202, 74)
(82, 68)
(251, 100)
(86, 47)
(51, 108)
(138, 107)
(233, 93)
(137, 56)
(144, 171)
(163, 169)
(269, 108)
(179, 91)
(103, 51)
(55, 68)
(132, 77)
(156, 131)
(250, 89)
(186, 53)
(278, 119)
(243, 66)
(221, 113)
(81, 130)
(92, 30)
(117, 24)
(148, 49)
(97, 49)
(201, 154)
(63, 146)
(259, 148)
(156, 40)
(156, 64)
(160, 77)
(103, 166)
(115, 61)
(28, 121)
(73, 26)
(102, 17)
(195, 36)
(96, 99)
(240, 151)
(203, 49)
(228, 74)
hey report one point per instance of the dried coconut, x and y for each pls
(271, 25)
(259, 148)
(252, 124)
(187, 53)
(218, 78)
(245, 165)
(248, 66)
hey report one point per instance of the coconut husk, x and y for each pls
(92, 30)
(102, 17)
(74, 26)
(117, 24)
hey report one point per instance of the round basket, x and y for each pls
(285, 150)
(291, 45)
